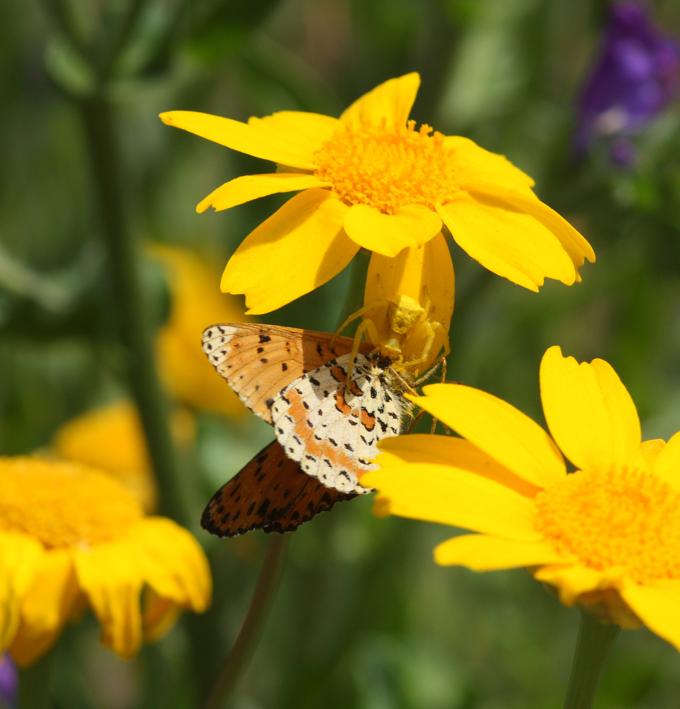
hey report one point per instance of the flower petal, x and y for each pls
(485, 553)
(388, 234)
(507, 241)
(448, 495)
(667, 462)
(649, 452)
(497, 428)
(475, 166)
(173, 564)
(307, 131)
(20, 556)
(47, 605)
(658, 608)
(388, 104)
(258, 141)
(571, 581)
(249, 187)
(421, 448)
(111, 577)
(158, 615)
(578, 248)
(297, 249)
(589, 412)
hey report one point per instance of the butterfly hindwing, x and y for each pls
(269, 493)
(259, 360)
(331, 427)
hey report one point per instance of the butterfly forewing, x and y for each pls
(269, 493)
(259, 360)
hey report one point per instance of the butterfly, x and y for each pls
(327, 424)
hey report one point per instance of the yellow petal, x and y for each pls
(158, 616)
(297, 249)
(249, 187)
(484, 553)
(388, 104)
(307, 131)
(667, 462)
(589, 412)
(46, 607)
(507, 241)
(497, 428)
(575, 244)
(111, 578)
(173, 564)
(475, 166)
(571, 581)
(260, 142)
(421, 448)
(448, 495)
(649, 452)
(657, 608)
(409, 299)
(20, 556)
(388, 234)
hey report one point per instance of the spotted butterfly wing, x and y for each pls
(270, 493)
(259, 360)
(327, 426)
(331, 424)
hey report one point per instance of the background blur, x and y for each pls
(363, 617)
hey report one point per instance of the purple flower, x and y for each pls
(636, 75)
(8, 681)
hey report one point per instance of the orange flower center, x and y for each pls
(388, 169)
(61, 504)
(617, 519)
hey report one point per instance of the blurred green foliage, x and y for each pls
(363, 618)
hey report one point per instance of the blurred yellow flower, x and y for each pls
(71, 537)
(195, 303)
(372, 179)
(111, 439)
(606, 536)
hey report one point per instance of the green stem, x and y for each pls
(35, 684)
(130, 304)
(593, 642)
(242, 649)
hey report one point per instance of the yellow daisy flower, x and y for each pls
(72, 537)
(373, 179)
(110, 438)
(195, 301)
(607, 536)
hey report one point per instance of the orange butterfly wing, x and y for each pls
(270, 493)
(259, 360)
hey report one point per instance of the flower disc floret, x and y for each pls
(388, 169)
(63, 505)
(623, 520)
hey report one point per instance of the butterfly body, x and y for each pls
(327, 424)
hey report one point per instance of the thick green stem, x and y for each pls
(592, 645)
(130, 304)
(242, 649)
(35, 684)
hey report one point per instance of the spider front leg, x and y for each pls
(365, 326)
(355, 316)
